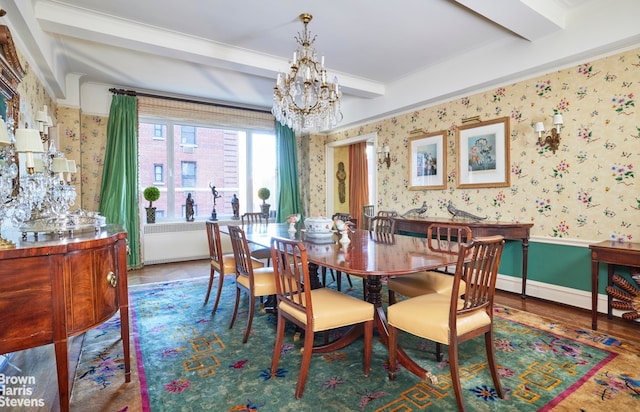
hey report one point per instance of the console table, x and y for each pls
(612, 253)
(509, 230)
(53, 289)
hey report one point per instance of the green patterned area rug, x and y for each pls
(190, 360)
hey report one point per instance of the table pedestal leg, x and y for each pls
(374, 286)
(313, 276)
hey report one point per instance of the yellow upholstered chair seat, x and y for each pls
(442, 238)
(331, 310)
(423, 283)
(435, 324)
(263, 284)
(228, 264)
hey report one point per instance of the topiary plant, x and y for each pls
(151, 194)
(264, 193)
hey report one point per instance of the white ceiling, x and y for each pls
(388, 56)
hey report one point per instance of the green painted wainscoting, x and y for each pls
(563, 265)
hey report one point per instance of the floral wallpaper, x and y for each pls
(586, 190)
(33, 97)
(93, 137)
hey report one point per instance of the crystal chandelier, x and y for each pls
(302, 98)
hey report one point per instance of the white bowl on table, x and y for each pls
(318, 226)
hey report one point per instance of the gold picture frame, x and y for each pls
(428, 161)
(483, 154)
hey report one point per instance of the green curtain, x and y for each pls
(119, 190)
(289, 201)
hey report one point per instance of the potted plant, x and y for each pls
(151, 194)
(264, 194)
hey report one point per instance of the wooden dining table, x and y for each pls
(369, 255)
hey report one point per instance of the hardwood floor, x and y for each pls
(40, 362)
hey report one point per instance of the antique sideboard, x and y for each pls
(509, 230)
(53, 289)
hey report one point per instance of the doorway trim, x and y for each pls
(330, 169)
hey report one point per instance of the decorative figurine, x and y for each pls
(417, 211)
(341, 175)
(344, 228)
(189, 208)
(214, 192)
(292, 220)
(235, 204)
(461, 213)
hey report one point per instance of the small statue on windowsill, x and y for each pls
(189, 208)
(216, 196)
(235, 204)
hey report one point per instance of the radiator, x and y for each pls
(177, 242)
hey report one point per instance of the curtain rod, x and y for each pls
(184, 100)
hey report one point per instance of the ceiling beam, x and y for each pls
(529, 19)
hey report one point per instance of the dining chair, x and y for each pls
(387, 213)
(381, 229)
(222, 263)
(257, 218)
(316, 310)
(255, 281)
(367, 214)
(452, 319)
(383, 224)
(444, 238)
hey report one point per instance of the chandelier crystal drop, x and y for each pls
(303, 99)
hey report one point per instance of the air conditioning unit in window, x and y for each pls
(187, 149)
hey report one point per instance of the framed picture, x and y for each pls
(427, 161)
(483, 154)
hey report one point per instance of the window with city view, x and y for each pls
(182, 158)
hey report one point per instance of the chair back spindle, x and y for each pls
(367, 215)
(479, 273)
(241, 252)
(289, 263)
(381, 224)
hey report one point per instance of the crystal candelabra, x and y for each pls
(41, 202)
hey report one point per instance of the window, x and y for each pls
(158, 131)
(188, 135)
(158, 173)
(227, 160)
(188, 174)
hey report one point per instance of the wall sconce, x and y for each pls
(553, 140)
(383, 155)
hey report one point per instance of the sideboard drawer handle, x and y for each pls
(112, 279)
